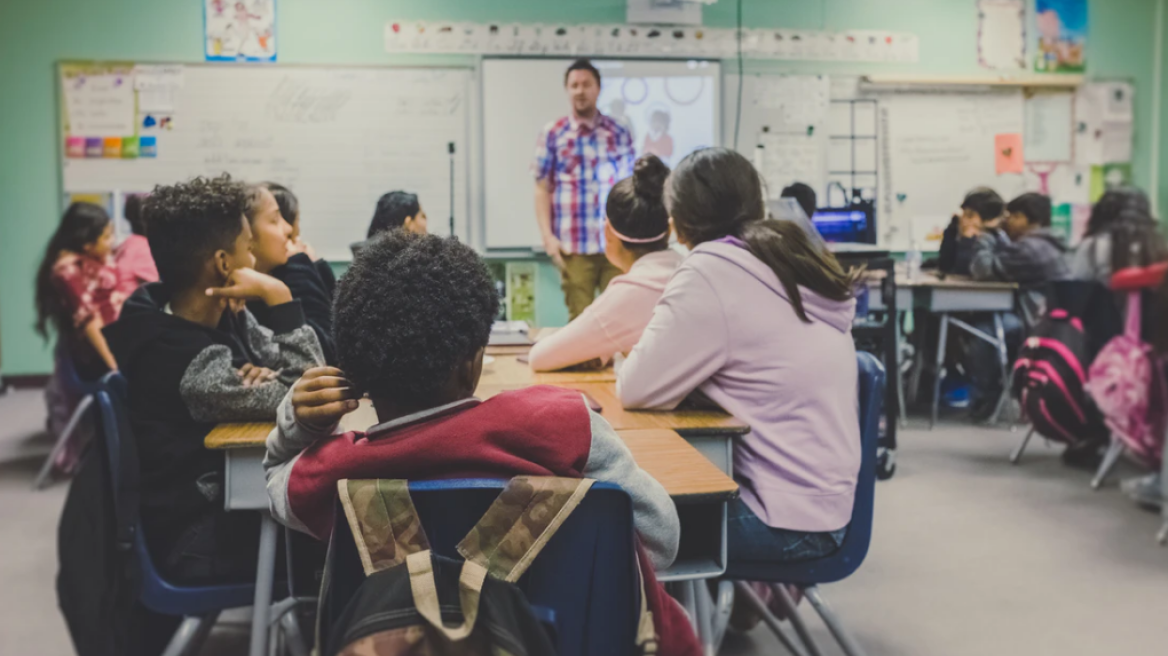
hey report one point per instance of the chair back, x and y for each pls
(121, 460)
(851, 554)
(584, 583)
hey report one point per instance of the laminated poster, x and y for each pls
(244, 30)
(1062, 36)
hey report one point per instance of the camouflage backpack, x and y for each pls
(417, 603)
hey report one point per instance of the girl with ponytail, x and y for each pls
(637, 243)
(758, 318)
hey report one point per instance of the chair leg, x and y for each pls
(705, 611)
(723, 606)
(293, 636)
(1162, 536)
(1017, 455)
(939, 374)
(191, 635)
(788, 604)
(845, 640)
(46, 472)
(768, 618)
(1114, 451)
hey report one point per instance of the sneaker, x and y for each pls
(1145, 491)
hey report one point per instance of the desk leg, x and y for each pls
(939, 374)
(265, 573)
(902, 419)
(705, 619)
(1004, 361)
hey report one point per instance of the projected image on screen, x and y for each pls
(669, 117)
(670, 107)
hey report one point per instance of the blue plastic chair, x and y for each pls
(583, 584)
(808, 575)
(83, 391)
(199, 606)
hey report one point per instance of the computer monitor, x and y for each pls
(851, 224)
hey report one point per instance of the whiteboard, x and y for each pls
(522, 96)
(934, 148)
(338, 137)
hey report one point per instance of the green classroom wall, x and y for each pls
(35, 35)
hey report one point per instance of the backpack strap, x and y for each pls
(425, 592)
(1134, 320)
(520, 522)
(383, 521)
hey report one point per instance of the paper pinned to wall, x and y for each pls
(99, 104)
(237, 31)
(1104, 126)
(1008, 153)
(1049, 127)
(799, 101)
(1064, 183)
(1001, 34)
(792, 157)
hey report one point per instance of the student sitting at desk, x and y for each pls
(193, 357)
(758, 320)
(804, 195)
(637, 243)
(274, 213)
(1032, 255)
(1121, 233)
(981, 214)
(414, 314)
(395, 210)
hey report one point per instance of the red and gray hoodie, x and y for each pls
(538, 431)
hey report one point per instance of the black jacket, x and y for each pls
(956, 254)
(313, 284)
(182, 381)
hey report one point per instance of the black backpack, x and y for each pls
(1053, 361)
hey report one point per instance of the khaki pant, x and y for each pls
(583, 277)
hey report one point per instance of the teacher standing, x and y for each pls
(578, 159)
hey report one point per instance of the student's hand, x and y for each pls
(555, 250)
(254, 376)
(249, 284)
(321, 397)
(298, 245)
(970, 227)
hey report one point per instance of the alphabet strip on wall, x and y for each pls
(537, 39)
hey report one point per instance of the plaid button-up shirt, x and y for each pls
(582, 162)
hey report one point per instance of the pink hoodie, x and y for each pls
(726, 327)
(615, 320)
(135, 264)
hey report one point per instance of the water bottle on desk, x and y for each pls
(912, 260)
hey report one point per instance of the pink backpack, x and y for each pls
(1123, 380)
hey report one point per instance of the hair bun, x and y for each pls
(649, 175)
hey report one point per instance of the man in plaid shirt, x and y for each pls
(578, 159)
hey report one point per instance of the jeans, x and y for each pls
(982, 357)
(749, 539)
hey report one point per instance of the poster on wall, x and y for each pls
(244, 30)
(1062, 36)
(1001, 34)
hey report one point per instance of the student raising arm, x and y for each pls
(759, 320)
(637, 243)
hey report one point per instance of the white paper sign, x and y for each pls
(1001, 34)
(1049, 127)
(100, 105)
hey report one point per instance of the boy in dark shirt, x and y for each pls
(194, 357)
(981, 214)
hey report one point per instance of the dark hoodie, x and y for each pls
(182, 381)
(311, 283)
(1037, 257)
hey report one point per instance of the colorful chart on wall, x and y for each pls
(1062, 36)
(244, 30)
